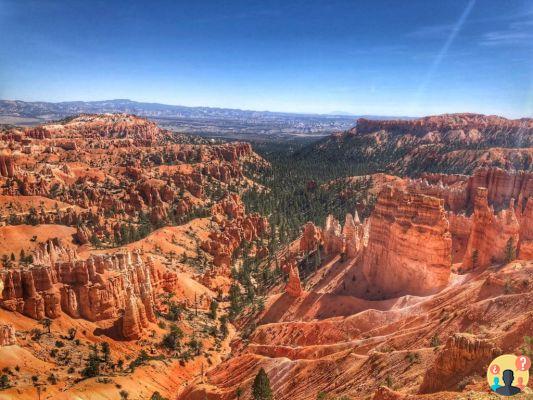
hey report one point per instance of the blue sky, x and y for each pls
(385, 57)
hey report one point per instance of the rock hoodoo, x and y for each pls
(95, 289)
(353, 232)
(7, 335)
(7, 166)
(333, 237)
(311, 238)
(492, 234)
(409, 245)
(526, 231)
(233, 227)
(294, 285)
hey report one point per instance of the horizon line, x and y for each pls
(342, 113)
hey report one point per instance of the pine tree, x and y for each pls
(224, 326)
(475, 258)
(4, 381)
(157, 396)
(172, 339)
(318, 259)
(47, 323)
(106, 352)
(510, 250)
(235, 299)
(95, 241)
(213, 307)
(261, 387)
(196, 346)
(92, 367)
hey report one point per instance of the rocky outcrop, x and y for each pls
(333, 237)
(442, 143)
(230, 206)
(294, 285)
(234, 227)
(409, 245)
(311, 238)
(462, 356)
(474, 123)
(7, 335)
(102, 287)
(525, 217)
(492, 236)
(487, 190)
(460, 228)
(119, 173)
(384, 393)
(134, 319)
(82, 235)
(502, 186)
(353, 233)
(52, 251)
(108, 126)
(450, 188)
(7, 166)
(38, 132)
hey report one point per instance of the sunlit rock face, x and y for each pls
(333, 237)
(233, 227)
(100, 288)
(492, 234)
(353, 232)
(7, 335)
(294, 285)
(490, 213)
(311, 238)
(462, 352)
(7, 166)
(409, 245)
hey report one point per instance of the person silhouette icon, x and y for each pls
(508, 389)
(520, 383)
(496, 384)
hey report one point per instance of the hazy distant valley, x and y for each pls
(206, 121)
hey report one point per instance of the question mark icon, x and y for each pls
(523, 363)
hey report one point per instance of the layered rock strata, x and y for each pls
(234, 227)
(463, 355)
(100, 288)
(409, 245)
(494, 237)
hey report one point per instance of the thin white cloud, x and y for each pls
(519, 33)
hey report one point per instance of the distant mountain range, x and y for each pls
(46, 110)
(210, 121)
(41, 109)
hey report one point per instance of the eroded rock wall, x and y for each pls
(493, 235)
(409, 245)
(463, 355)
(7, 335)
(100, 288)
